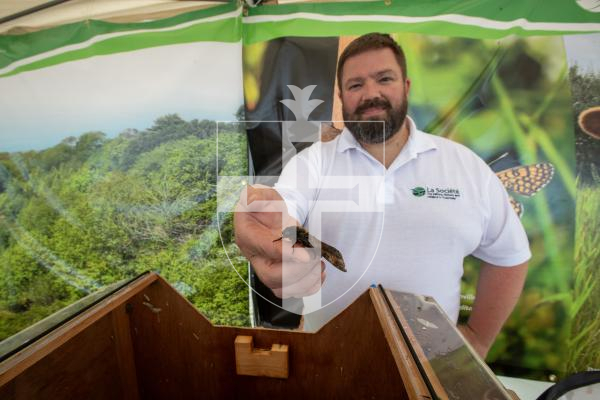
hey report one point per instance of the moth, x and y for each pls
(525, 180)
(304, 238)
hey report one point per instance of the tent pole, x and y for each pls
(31, 10)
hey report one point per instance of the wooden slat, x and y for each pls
(445, 358)
(84, 367)
(415, 386)
(431, 375)
(124, 350)
(27, 357)
(272, 363)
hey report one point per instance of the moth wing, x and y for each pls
(517, 206)
(527, 180)
(334, 256)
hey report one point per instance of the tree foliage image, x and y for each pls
(94, 210)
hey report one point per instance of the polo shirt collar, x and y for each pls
(347, 141)
(418, 141)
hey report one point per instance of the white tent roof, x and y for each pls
(76, 10)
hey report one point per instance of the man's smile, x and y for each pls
(371, 111)
(373, 108)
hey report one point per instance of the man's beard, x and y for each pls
(375, 130)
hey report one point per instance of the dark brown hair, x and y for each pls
(371, 41)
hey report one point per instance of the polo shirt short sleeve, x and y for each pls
(504, 242)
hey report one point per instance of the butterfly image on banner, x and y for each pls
(525, 180)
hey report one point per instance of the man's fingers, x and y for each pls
(265, 206)
(261, 198)
(274, 247)
(254, 238)
(257, 222)
(295, 273)
(297, 253)
(261, 192)
(287, 274)
(308, 285)
(252, 193)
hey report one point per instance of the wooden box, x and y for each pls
(145, 341)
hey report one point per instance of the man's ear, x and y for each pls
(407, 86)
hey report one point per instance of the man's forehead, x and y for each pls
(370, 62)
(371, 73)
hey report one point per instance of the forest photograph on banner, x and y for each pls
(108, 162)
(127, 140)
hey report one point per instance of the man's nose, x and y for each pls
(371, 90)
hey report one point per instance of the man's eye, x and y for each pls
(386, 79)
(354, 86)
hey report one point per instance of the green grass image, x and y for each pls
(584, 302)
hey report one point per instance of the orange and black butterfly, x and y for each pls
(525, 180)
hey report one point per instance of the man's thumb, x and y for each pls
(260, 198)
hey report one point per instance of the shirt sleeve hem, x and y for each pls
(514, 259)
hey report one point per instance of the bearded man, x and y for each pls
(421, 205)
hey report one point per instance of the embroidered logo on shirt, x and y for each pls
(436, 193)
(418, 191)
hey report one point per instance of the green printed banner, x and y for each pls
(116, 137)
(89, 38)
(482, 19)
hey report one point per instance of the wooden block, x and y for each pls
(259, 362)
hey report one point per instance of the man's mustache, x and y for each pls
(372, 103)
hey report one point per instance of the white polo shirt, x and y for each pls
(408, 227)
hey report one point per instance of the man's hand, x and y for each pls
(259, 219)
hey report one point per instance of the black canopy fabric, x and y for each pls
(288, 61)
